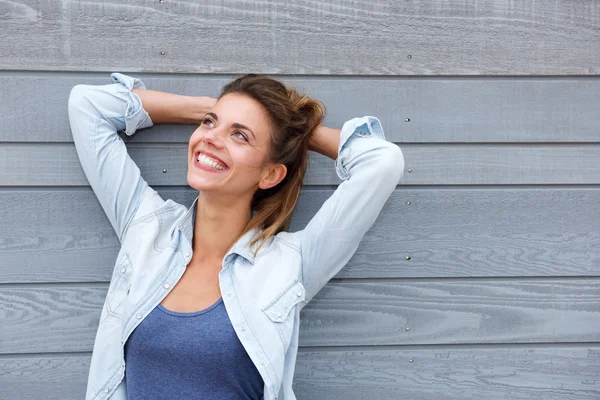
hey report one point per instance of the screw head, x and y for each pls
(408, 203)
(409, 56)
(162, 53)
(407, 258)
(407, 120)
(161, 1)
(411, 360)
(164, 170)
(409, 170)
(407, 329)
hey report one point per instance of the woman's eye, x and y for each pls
(207, 121)
(241, 136)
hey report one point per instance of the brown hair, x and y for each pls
(293, 117)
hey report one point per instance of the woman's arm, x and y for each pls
(326, 141)
(96, 114)
(169, 108)
(370, 168)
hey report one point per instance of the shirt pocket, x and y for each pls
(278, 310)
(119, 286)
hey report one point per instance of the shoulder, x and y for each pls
(280, 253)
(152, 206)
(290, 240)
(155, 219)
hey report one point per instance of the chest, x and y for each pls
(197, 289)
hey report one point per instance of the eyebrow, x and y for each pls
(235, 124)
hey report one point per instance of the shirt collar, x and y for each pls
(240, 247)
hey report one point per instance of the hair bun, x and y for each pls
(310, 112)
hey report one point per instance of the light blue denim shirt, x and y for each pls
(263, 294)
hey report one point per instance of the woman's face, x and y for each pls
(228, 152)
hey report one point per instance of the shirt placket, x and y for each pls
(246, 336)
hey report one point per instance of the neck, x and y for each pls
(219, 223)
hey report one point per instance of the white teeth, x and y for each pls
(209, 162)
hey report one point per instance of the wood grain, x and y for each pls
(40, 320)
(455, 373)
(304, 37)
(49, 319)
(475, 232)
(430, 165)
(48, 378)
(33, 107)
(514, 311)
(446, 233)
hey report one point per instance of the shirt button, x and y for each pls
(139, 316)
(106, 390)
(262, 363)
(299, 294)
(166, 285)
(123, 270)
(229, 294)
(243, 329)
(278, 314)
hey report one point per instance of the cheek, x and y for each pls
(194, 139)
(248, 159)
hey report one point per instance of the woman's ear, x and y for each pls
(272, 175)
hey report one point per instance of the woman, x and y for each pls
(204, 302)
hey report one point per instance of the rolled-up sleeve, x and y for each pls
(96, 114)
(357, 127)
(135, 115)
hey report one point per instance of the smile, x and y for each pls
(206, 162)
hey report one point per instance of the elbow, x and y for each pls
(81, 111)
(392, 163)
(77, 97)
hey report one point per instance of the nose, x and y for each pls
(214, 137)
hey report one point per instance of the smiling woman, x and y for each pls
(208, 303)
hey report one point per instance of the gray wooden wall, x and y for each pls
(481, 277)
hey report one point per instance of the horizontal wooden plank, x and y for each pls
(49, 319)
(51, 378)
(57, 164)
(430, 312)
(56, 319)
(489, 165)
(60, 235)
(475, 232)
(305, 37)
(446, 233)
(450, 374)
(521, 373)
(438, 110)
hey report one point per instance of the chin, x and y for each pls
(200, 184)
